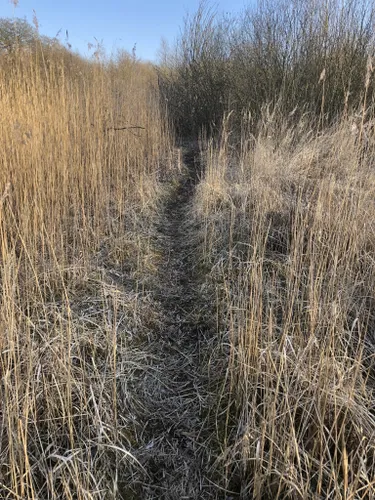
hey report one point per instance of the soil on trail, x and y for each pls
(176, 454)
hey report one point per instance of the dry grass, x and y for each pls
(108, 338)
(289, 237)
(75, 195)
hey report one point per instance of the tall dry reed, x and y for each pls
(288, 236)
(82, 145)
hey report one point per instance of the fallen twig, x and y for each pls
(126, 128)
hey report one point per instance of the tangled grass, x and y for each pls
(288, 235)
(76, 195)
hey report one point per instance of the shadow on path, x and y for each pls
(175, 457)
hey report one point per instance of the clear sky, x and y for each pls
(119, 23)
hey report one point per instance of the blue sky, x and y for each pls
(119, 23)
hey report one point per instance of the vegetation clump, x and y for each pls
(75, 196)
(186, 261)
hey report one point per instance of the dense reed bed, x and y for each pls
(196, 320)
(82, 146)
(288, 236)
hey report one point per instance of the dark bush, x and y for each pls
(301, 55)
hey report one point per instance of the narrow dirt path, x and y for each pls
(175, 457)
